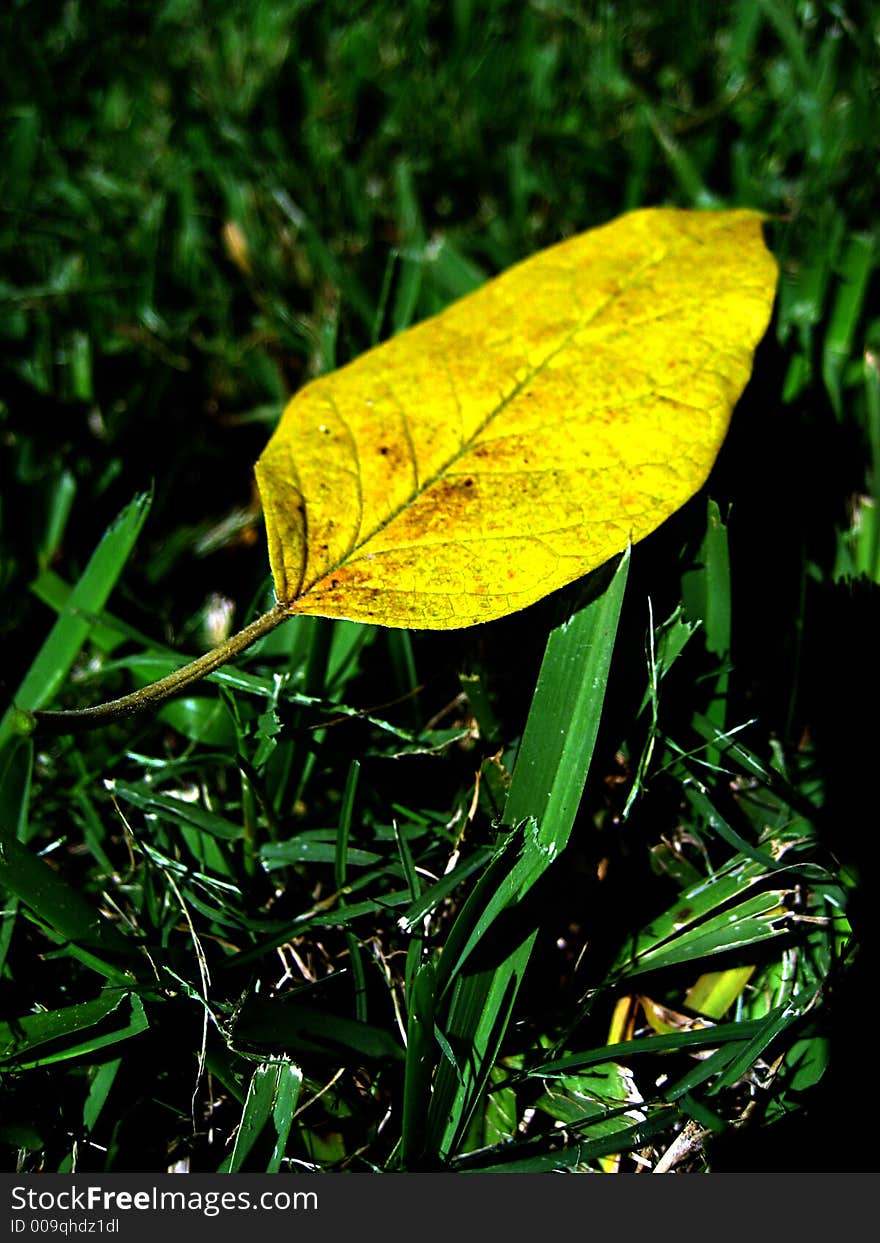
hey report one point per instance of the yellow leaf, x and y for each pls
(517, 440)
(715, 992)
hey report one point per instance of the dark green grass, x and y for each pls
(320, 914)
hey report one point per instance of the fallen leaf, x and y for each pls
(520, 438)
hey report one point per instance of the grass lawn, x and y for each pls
(590, 888)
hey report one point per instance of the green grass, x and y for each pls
(378, 901)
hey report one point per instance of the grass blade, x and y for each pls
(760, 918)
(555, 753)
(33, 882)
(477, 997)
(88, 597)
(62, 1030)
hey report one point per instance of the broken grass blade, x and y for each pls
(270, 1104)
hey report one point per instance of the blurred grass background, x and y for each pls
(202, 206)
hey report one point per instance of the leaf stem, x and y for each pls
(157, 692)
